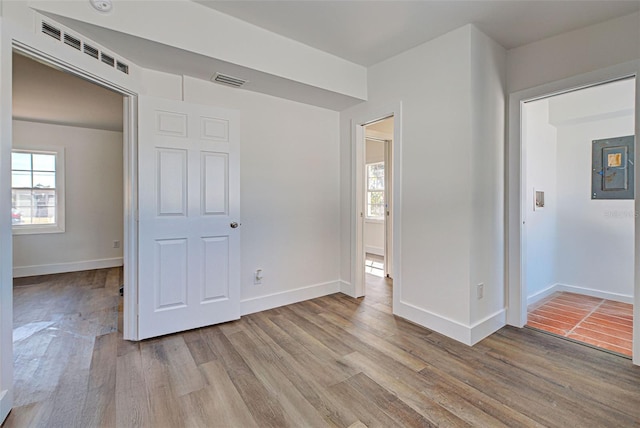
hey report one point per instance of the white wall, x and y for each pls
(93, 201)
(439, 174)
(595, 237)
(575, 52)
(374, 229)
(540, 146)
(290, 206)
(488, 97)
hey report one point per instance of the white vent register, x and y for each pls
(74, 41)
(228, 80)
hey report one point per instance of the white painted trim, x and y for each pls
(488, 326)
(6, 239)
(275, 300)
(374, 250)
(536, 297)
(346, 288)
(22, 271)
(469, 335)
(5, 404)
(636, 266)
(358, 201)
(130, 220)
(616, 297)
(435, 322)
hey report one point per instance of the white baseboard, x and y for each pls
(374, 250)
(488, 326)
(270, 301)
(21, 271)
(536, 297)
(624, 298)
(5, 404)
(469, 335)
(347, 288)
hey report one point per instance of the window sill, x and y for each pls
(37, 230)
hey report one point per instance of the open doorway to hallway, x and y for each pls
(579, 214)
(377, 230)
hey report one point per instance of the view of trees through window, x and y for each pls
(33, 188)
(375, 190)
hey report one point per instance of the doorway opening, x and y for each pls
(578, 214)
(68, 199)
(377, 205)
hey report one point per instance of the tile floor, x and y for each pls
(598, 322)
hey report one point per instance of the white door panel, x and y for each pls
(189, 260)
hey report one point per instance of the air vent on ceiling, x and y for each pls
(78, 44)
(228, 80)
(107, 59)
(50, 30)
(72, 41)
(91, 51)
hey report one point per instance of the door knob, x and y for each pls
(234, 225)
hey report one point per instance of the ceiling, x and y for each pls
(44, 94)
(367, 32)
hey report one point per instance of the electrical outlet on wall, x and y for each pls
(116, 244)
(480, 291)
(257, 277)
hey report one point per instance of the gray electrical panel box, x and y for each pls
(612, 169)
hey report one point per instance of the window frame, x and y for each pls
(59, 225)
(368, 217)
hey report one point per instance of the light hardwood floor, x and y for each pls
(332, 361)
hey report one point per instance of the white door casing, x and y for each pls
(189, 201)
(388, 200)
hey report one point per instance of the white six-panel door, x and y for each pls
(189, 210)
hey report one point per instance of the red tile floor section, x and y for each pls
(598, 322)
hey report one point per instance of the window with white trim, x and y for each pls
(375, 191)
(37, 191)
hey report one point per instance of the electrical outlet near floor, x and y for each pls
(116, 244)
(480, 291)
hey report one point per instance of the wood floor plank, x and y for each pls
(183, 372)
(332, 361)
(163, 400)
(389, 403)
(218, 404)
(261, 361)
(100, 405)
(262, 403)
(367, 412)
(331, 370)
(133, 407)
(309, 383)
(590, 385)
(408, 392)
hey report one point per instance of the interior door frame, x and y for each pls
(388, 215)
(357, 198)
(515, 234)
(130, 180)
